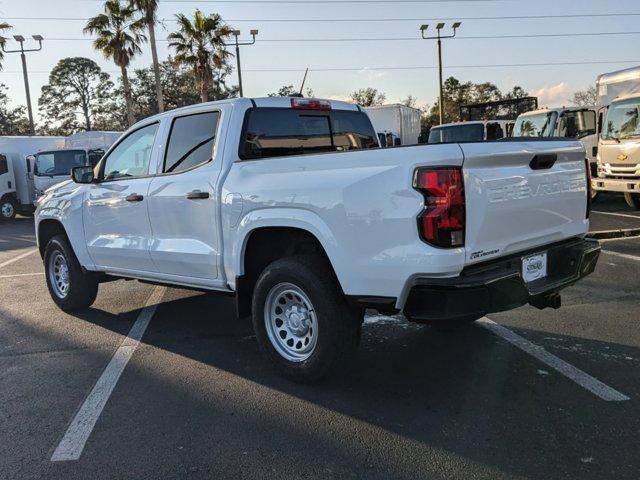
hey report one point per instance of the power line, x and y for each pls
(401, 39)
(413, 67)
(332, 20)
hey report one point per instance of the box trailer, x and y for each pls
(395, 124)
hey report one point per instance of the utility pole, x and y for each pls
(439, 37)
(20, 39)
(236, 34)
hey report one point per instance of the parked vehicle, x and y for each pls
(568, 122)
(474, 131)
(395, 124)
(82, 148)
(16, 172)
(290, 205)
(619, 144)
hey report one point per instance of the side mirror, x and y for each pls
(83, 174)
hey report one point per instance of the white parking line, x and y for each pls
(621, 255)
(22, 275)
(72, 444)
(637, 217)
(15, 259)
(583, 379)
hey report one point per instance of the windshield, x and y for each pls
(577, 124)
(59, 162)
(622, 120)
(473, 132)
(539, 125)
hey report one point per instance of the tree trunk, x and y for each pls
(131, 119)
(156, 65)
(87, 118)
(204, 89)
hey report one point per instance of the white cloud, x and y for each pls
(342, 98)
(552, 95)
(373, 74)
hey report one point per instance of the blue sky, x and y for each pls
(553, 84)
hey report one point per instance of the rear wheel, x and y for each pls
(301, 319)
(7, 208)
(633, 200)
(70, 288)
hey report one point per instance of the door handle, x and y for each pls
(134, 197)
(197, 195)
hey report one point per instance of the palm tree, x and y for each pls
(119, 38)
(199, 45)
(148, 8)
(3, 26)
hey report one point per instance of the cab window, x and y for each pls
(131, 157)
(191, 141)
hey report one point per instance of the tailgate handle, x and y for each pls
(543, 162)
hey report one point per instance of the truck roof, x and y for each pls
(627, 74)
(273, 102)
(471, 122)
(556, 109)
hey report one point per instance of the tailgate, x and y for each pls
(511, 206)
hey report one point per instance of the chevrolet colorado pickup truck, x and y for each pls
(290, 205)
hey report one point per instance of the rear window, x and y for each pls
(279, 132)
(457, 133)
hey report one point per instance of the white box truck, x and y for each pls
(16, 171)
(579, 123)
(83, 148)
(395, 124)
(619, 144)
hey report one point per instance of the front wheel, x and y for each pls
(301, 319)
(70, 288)
(7, 208)
(633, 200)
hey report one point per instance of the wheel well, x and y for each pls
(266, 245)
(46, 230)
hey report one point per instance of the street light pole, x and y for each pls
(236, 34)
(439, 38)
(20, 39)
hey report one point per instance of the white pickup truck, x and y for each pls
(289, 204)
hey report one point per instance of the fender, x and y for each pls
(67, 209)
(277, 217)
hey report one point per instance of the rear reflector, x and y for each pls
(442, 221)
(310, 104)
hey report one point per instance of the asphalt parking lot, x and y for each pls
(524, 394)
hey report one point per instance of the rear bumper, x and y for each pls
(631, 185)
(497, 285)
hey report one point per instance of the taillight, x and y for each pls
(441, 223)
(589, 192)
(310, 104)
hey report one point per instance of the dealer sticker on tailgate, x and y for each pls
(534, 267)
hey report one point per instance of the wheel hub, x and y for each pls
(290, 322)
(297, 320)
(7, 210)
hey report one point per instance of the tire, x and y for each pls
(8, 208)
(320, 328)
(73, 290)
(633, 200)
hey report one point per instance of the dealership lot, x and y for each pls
(197, 400)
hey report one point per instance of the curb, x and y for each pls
(620, 233)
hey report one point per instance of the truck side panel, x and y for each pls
(360, 205)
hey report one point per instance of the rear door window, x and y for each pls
(278, 132)
(190, 141)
